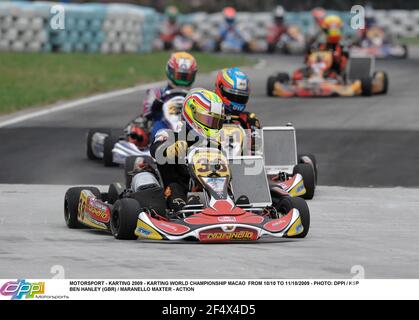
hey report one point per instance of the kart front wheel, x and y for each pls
(307, 172)
(302, 158)
(71, 205)
(270, 86)
(384, 80)
(124, 216)
(288, 203)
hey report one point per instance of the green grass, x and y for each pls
(411, 41)
(28, 79)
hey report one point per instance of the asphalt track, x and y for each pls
(359, 142)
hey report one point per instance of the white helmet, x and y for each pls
(279, 12)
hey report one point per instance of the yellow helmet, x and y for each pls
(332, 26)
(203, 111)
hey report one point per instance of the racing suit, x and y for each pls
(169, 149)
(234, 37)
(340, 60)
(275, 31)
(157, 126)
(248, 121)
(152, 106)
(168, 33)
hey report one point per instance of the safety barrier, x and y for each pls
(113, 28)
(117, 28)
(400, 23)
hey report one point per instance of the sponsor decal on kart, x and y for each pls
(278, 225)
(97, 211)
(220, 235)
(298, 190)
(144, 231)
(296, 228)
(227, 219)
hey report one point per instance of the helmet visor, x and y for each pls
(234, 95)
(183, 78)
(212, 121)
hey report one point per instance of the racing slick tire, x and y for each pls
(270, 86)
(313, 161)
(385, 81)
(107, 150)
(288, 203)
(307, 172)
(283, 77)
(89, 151)
(71, 205)
(114, 192)
(406, 51)
(129, 166)
(124, 217)
(366, 85)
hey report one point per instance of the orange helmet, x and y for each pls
(138, 136)
(318, 14)
(332, 26)
(229, 14)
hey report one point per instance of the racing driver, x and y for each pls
(232, 86)
(202, 118)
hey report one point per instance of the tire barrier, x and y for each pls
(118, 28)
(114, 28)
(400, 23)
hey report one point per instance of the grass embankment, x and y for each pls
(28, 79)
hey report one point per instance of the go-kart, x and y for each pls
(379, 45)
(317, 79)
(114, 146)
(231, 202)
(287, 172)
(291, 41)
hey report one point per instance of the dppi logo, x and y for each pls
(21, 288)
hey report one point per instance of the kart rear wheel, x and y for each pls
(114, 191)
(270, 86)
(313, 161)
(129, 166)
(288, 203)
(89, 149)
(307, 172)
(71, 205)
(366, 85)
(283, 77)
(406, 51)
(124, 216)
(107, 150)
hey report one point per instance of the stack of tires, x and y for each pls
(87, 28)
(23, 27)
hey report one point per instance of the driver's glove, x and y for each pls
(177, 150)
